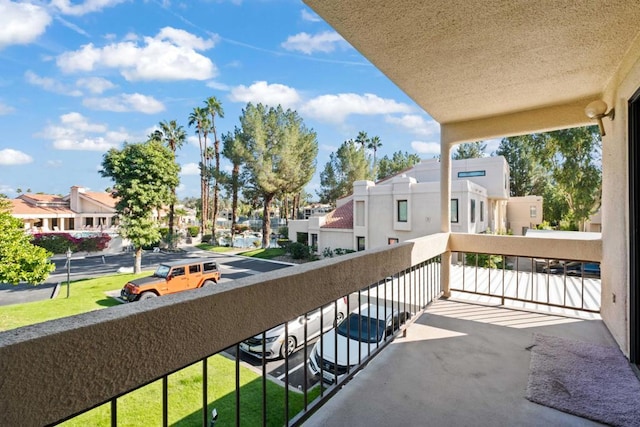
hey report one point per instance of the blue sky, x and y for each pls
(80, 77)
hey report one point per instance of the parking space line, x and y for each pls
(295, 368)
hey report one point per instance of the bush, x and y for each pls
(284, 231)
(284, 244)
(299, 251)
(193, 230)
(342, 251)
(484, 260)
(206, 238)
(327, 253)
(58, 243)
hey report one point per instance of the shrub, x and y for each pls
(284, 244)
(58, 243)
(342, 251)
(206, 238)
(327, 253)
(193, 230)
(299, 251)
(284, 231)
(484, 260)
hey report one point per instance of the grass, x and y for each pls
(143, 407)
(268, 253)
(85, 295)
(212, 248)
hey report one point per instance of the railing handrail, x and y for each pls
(54, 369)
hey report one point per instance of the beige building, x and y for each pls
(79, 210)
(524, 213)
(407, 206)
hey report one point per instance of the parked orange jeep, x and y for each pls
(172, 277)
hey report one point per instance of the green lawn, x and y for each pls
(143, 407)
(217, 249)
(268, 253)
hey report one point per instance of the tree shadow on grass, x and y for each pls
(108, 302)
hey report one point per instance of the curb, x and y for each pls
(56, 290)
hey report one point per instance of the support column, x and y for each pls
(445, 213)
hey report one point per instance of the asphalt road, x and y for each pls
(232, 267)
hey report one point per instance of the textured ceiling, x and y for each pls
(464, 60)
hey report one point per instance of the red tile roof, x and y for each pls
(101, 197)
(342, 217)
(21, 207)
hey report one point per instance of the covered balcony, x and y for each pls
(482, 70)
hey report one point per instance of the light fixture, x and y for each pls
(597, 110)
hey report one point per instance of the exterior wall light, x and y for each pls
(597, 110)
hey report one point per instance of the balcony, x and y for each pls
(55, 370)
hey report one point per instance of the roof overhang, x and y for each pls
(486, 69)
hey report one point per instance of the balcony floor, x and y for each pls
(461, 364)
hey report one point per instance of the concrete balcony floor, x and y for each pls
(461, 364)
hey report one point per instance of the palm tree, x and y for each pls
(173, 136)
(232, 149)
(200, 119)
(374, 145)
(214, 107)
(362, 139)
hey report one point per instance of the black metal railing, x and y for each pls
(281, 394)
(566, 283)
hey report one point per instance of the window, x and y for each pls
(360, 213)
(393, 240)
(467, 174)
(210, 266)
(194, 268)
(533, 211)
(454, 210)
(314, 241)
(360, 243)
(473, 211)
(481, 211)
(177, 271)
(402, 211)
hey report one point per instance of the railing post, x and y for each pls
(445, 270)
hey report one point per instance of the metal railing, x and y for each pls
(56, 370)
(567, 284)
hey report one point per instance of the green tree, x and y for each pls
(398, 162)
(199, 118)
(20, 261)
(374, 145)
(470, 150)
(362, 139)
(280, 154)
(214, 108)
(144, 175)
(576, 170)
(173, 136)
(233, 149)
(347, 165)
(526, 174)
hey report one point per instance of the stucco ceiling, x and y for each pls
(465, 60)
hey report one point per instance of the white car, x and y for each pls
(277, 345)
(364, 330)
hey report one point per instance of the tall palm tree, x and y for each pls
(173, 136)
(199, 118)
(214, 108)
(374, 145)
(232, 149)
(362, 139)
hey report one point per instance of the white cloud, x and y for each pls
(50, 85)
(67, 8)
(415, 124)
(21, 23)
(170, 55)
(492, 145)
(335, 108)
(309, 16)
(95, 85)
(9, 156)
(326, 42)
(426, 147)
(190, 169)
(193, 140)
(54, 163)
(218, 86)
(75, 132)
(125, 102)
(5, 109)
(269, 94)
